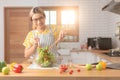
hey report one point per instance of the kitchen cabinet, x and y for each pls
(78, 57)
(101, 56)
(65, 53)
(84, 57)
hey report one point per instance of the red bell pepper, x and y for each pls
(17, 68)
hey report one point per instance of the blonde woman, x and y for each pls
(41, 35)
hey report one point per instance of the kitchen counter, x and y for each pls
(104, 56)
(101, 54)
(53, 74)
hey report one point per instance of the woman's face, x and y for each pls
(38, 20)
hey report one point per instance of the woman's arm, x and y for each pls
(55, 43)
(60, 38)
(29, 51)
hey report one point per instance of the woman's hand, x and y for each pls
(36, 42)
(61, 35)
(32, 49)
(60, 38)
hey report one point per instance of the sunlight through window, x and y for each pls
(50, 17)
(68, 17)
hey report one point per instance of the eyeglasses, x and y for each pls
(38, 19)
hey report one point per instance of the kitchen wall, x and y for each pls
(93, 21)
(114, 19)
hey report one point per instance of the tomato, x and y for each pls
(78, 70)
(63, 68)
(17, 68)
(70, 72)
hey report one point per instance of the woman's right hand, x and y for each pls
(32, 49)
(36, 41)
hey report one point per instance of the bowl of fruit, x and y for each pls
(45, 57)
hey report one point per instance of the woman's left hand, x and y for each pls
(60, 38)
(61, 35)
(36, 41)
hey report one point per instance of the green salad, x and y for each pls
(45, 57)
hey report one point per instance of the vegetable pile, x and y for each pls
(45, 57)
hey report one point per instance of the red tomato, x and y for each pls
(63, 68)
(78, 70)
(70, 73)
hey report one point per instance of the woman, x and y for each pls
(41, 35)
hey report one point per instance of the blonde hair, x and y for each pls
(35, 10)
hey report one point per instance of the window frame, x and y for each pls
(59, 9)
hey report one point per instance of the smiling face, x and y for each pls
(38, 20)
(37, 17)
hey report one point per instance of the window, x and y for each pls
(64, 18)
(51, 17)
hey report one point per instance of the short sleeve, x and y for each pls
(29, 40)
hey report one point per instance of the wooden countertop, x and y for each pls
(109, 58)
(98, 51)
(101, 54)
(53, 74)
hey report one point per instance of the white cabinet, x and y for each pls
(79, 57)
(65, 53)
(84, 57)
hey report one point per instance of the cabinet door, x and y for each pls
(17, 25)
(84, 58)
